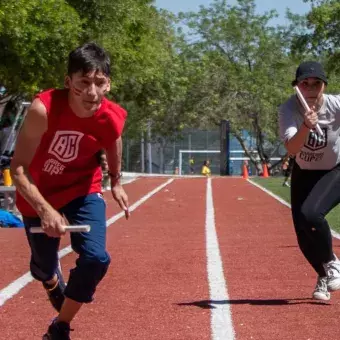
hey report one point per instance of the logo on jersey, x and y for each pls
(53, 167)
(315, 141)
(65, 145)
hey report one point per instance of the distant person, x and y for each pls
(102, 160)
(206, 169)
(287, 168)
(7, 136)
(315, 180)
(192, 165)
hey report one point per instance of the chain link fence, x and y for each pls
(163, 156)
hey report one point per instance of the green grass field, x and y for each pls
(274, 184)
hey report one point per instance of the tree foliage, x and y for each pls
(221, 62)
(321, 36)
(243, 64)
(35, 38)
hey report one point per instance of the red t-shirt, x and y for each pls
(65, 166)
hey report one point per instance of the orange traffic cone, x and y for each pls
(265, 171)
(245, 172)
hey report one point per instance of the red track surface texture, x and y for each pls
(157, 285)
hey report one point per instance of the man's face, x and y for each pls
(312, 90)
(88, 90)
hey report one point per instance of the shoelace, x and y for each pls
(332, 268)
(321, 285)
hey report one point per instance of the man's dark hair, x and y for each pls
(88, 57)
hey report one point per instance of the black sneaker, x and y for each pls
(56, 293)
(58, 331)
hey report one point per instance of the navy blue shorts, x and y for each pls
(93, 260)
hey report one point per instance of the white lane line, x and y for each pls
(334, 233)
(130, 180)
(221, 322)
(124, 181)
(14, 288)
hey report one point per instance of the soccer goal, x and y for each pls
(236, 160)
(190, 162)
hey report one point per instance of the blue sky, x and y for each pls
(296, 6)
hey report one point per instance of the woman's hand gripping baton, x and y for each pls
(306, 107)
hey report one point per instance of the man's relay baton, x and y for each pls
(68, 228)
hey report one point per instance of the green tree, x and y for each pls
(320, 38)
(35, 39)
(140, 40)
(244, 70)
(324, 21)
(126, 28)
(316, 37)
(155, 90)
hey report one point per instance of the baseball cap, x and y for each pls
(310, 69)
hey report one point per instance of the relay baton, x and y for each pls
(306, 107)
(68, 228)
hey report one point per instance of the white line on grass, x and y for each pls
(221, 324)
(334, 233)
(14, 288)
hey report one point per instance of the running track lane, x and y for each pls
(136, 191)
(158, 264)
(269, 281)
(14, 250)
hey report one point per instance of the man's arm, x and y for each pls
(114, 160)
(35, 125)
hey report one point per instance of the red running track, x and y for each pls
(157, 285)
(269, 282)
(13, 245)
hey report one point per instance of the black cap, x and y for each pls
(310, 69)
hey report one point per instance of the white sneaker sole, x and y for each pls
(321, 296)
(334, 285)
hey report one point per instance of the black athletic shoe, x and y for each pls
(58, 331)
(56, 293)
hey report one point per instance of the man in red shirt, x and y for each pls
(58, 179)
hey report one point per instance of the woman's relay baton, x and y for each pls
(306, 107)
(69, 228)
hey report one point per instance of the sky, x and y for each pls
(296, 6)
